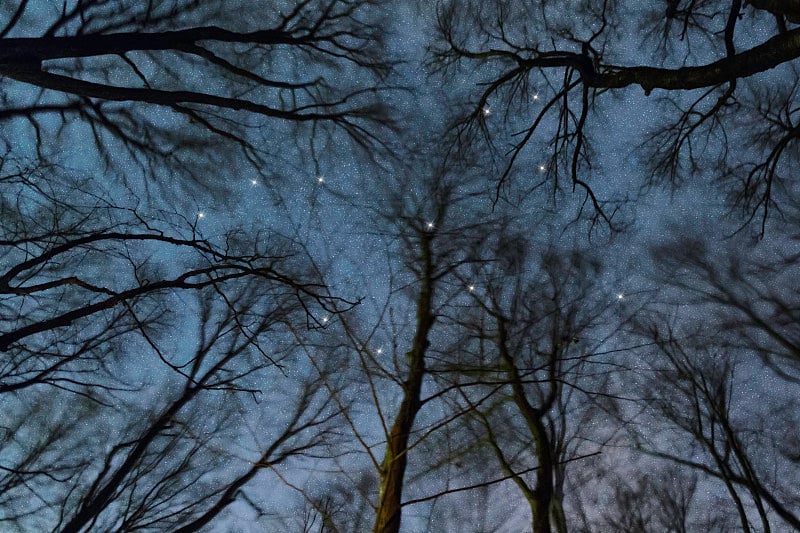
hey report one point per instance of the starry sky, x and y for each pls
(293, 251)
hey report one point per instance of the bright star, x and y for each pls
(429, 225)
(535, 97)
(320, 179)
(542, 168)
(471, 288)
(620, 296)
(379, 351)
(254, 182)
(201, 215)
(487, 111)
(324, 320)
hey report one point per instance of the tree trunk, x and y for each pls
(393, 467)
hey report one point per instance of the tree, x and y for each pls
(52, 235)
(433, 241)
(530, 353)
(551, 72)
(91, 283)
(703, 402)
(425, 343)
(661, 500)
(165, 465)
(747, 294)
(157, 86)
(483, 350)
(93, 319)
(728, 341)
(428, 229)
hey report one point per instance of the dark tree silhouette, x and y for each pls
(80, 271)
(431, 231)
(660, 499)
(168, 464)
(550, 74)
(433, 240)
(158, 84)
(162, 374)
(525, 372)
(720, 382)
(97, 302)
(493, 359)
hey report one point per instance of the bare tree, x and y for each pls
(97, 300)
(482, 355)
(714, 406)
(169, 464)
(661, 499)
(80, 271)
(729, 439)
(429, 228)
(156, 377)
(434, 241)
(91, 282)
(526, 372)
(751, 295)
(551, 73)
(157, 85)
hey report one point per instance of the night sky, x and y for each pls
(367, 265)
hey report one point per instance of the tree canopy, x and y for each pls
(352, 265)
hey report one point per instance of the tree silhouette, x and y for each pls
(96, 295)
(728, 337)
(169, 465)
(58, 247)
(433, 242)
(530, 353)
(432, 344)
(157, 86)
(551, 73)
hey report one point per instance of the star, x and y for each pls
(254, 182)
(201, 215)
(535, 97)
(379, 351)
(620, 296)
(429, 225)
(471, 288)
(324, 320)
(487, 111)
(542, 168)
(320, 179)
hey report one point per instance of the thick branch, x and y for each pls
(788, 8)
(393, 467)
(775, 51)
(43, 48)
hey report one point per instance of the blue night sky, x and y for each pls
(389, 265)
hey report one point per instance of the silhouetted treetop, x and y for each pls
(204, 72)
(707, 64)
